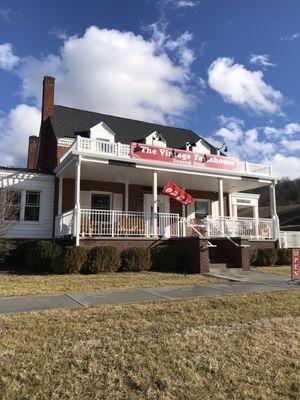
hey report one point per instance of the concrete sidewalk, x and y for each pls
(254, 283)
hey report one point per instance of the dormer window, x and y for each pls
(102, 132)
(156, 139)
(201, 147)
(188, 146)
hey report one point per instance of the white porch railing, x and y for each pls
(64, 224)
(290, 239)
(96, 146)
(256, 169)
(99, 223)
(109, 223)
(250, 228)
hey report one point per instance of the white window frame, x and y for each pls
(110, 194)
(209, 201)
(21, 207)
(24, 205)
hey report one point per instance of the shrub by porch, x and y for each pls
(269, 257)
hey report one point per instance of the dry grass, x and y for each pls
(284, 270)
(232, 347)
(19, 285)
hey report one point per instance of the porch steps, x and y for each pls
(217, 267)
(217, 259)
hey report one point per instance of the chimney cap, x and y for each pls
(49, 78)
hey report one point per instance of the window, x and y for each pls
(32, 206)
(100, 201)
(13, 205)
(202, 208)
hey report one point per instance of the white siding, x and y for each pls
(215, 209)
(201, 147)
(103, 132)
(85, 199)
(42, 229)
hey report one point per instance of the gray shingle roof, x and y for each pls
(67, 122)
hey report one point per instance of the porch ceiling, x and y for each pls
(138, 176)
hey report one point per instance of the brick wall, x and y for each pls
(136, 193)
(61, 150)
(195, 250)
(48, 97)
(69, 190)
(263, 244)
(47, 157)
(240, 256)
(32, 150)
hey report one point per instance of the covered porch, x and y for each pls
(109, 198)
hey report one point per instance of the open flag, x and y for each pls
(176, 193)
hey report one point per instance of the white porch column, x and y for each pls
(234, 211)
(126, 196)
(184, 216)
(77, 200)
(256, 216)
(221, 197)
(274, 216)
(221, 203)
(273, 200)
(154, 190)
(60, 190)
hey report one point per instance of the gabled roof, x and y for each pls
(66, 122)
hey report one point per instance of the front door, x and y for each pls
(163, 206)
(163, 203)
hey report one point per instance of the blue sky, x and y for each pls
(227, 69)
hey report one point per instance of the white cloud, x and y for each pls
(284, 166)
(180, 3)
(7, 59)
(21, 122)
(232, 129)
(289, 129)
(254, 145)
(291, 145)
(108, 71)
(242, 87)
(230, 121)
(124, 74)
(179, 46)
(5, 13)
(242, 143)
(201, 83)
(262, 60)
(292, 37)
(59, 33)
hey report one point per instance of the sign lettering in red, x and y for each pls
(176, 193)
(183, 157)
(295, 264)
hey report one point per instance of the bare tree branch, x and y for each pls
(10, 206)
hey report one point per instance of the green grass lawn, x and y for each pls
(19, 285)
(284, 270)
(231, 347)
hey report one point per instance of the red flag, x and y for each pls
(176, 193)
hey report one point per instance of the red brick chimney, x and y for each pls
(32, 151)
(48, 97)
